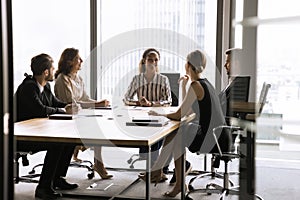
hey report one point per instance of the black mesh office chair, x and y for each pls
(224, 155)
(237, 91)
(240, 88)
(228, 186)
(173, 80)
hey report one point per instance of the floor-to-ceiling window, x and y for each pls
(277, 56)
(174, 27)
(48, 27)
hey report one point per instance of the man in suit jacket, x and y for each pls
(34, 99)
(232, 67)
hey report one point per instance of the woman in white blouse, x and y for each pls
(69, 87)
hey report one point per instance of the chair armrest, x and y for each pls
(231, 128)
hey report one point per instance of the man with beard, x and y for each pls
(34, 99)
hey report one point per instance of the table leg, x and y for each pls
(148, 173)
(247, 166)
(183, 176)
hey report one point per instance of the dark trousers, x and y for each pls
(155, 153)
(154, 150)
(56, 161)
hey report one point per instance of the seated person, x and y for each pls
(34, 99)
(204, 102)
(69, 87)
(232, 67)
(151, 89)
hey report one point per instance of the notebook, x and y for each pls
(61, 116)
(148, 121)
(103, 108)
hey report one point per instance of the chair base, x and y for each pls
(131, 161)
(215, 188)
(88, 166)
(27, 178)
(212, 175)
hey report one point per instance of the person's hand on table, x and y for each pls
(154, 113)
(72, 108)
(144, 102)
(102, 103)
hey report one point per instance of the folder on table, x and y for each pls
(61, 116)
(152, 122)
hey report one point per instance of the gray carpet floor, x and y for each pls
(277, 176)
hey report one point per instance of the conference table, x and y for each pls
(244, 107)
(104, 127)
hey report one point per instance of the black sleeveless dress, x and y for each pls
(208, 116)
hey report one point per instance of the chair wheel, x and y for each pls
(207, 187)
(191, 188)
(32, 172)
(129, 161)
(91, 175)
(131, 167)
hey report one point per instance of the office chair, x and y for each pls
(225, 155)
(237, 91)
(88, 166)
(31, 174)
(25, 162)
(228, 186)
(240, 88)
(261, 101)
(173, 80)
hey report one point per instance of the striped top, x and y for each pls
(156, 90)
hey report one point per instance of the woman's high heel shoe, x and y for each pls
(156, 177)
(102, 173)
(174, 192)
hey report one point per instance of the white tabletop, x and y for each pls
(96, 126)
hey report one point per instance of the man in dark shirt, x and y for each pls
(232, 67)
(34, 99)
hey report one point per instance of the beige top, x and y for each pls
(70, 88)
